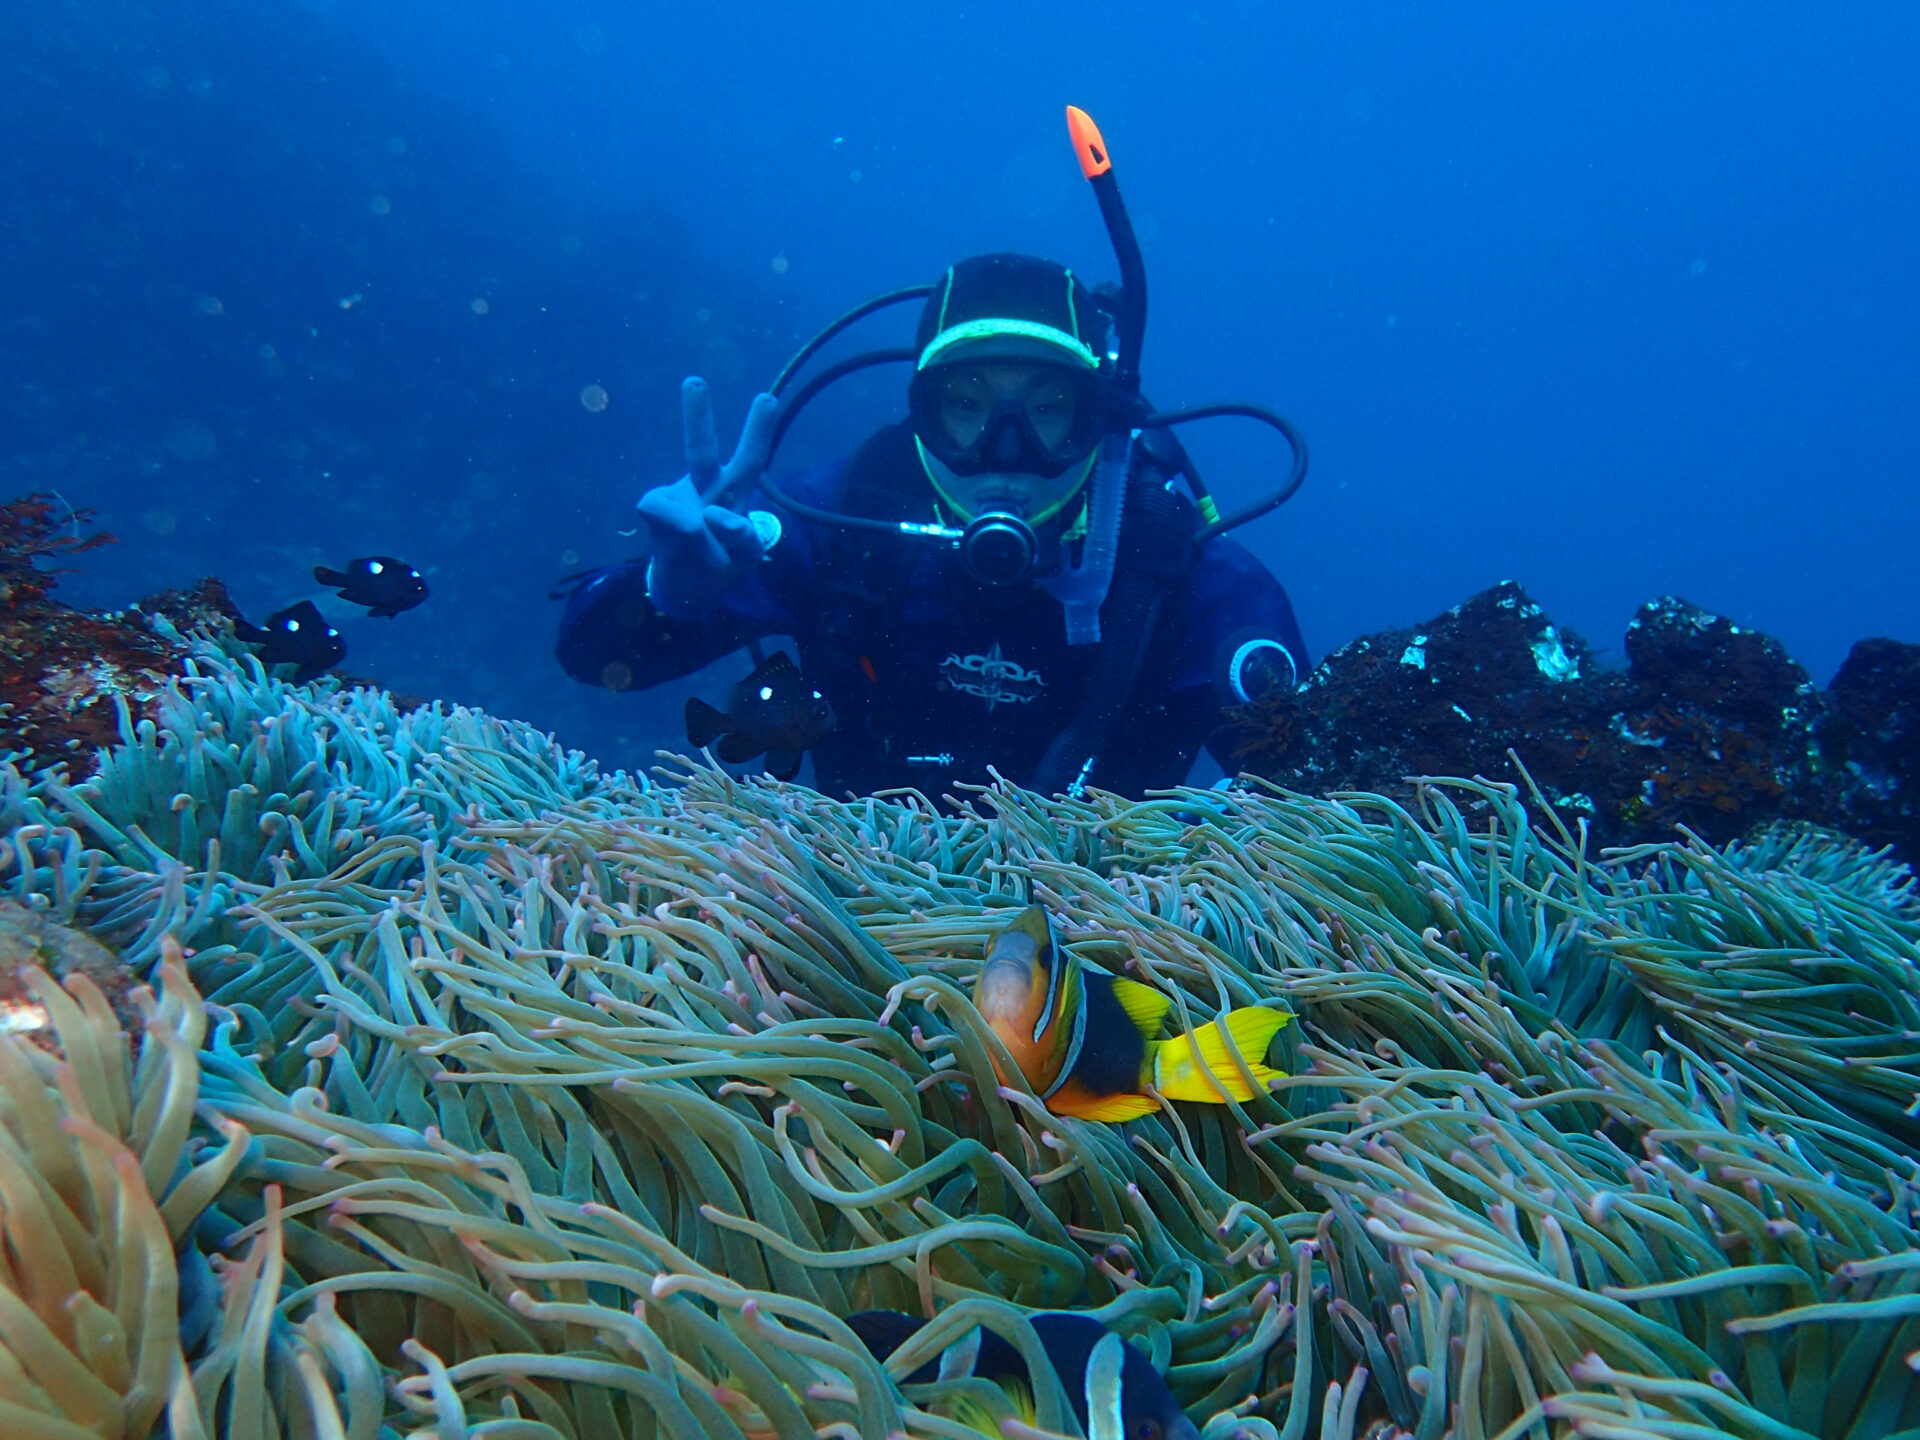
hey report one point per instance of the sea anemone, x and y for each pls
(532, 1101)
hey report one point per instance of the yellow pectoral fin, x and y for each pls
(1075, 1100)
(1201, 1069)
(977, 1414)
(1146, 1007)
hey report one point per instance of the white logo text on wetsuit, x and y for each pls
(992, 677)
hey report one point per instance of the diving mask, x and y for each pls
(977, 417)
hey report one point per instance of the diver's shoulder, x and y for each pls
(1222, 559)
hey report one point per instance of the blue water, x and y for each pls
(1616, 301)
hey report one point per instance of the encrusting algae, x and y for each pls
(526, 1101)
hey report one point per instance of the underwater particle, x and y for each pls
(380, 205)
(347, 302)
(211, 305)
(396, 145)
(594, 398)
(780, 264)
(1698, 268)
(722, 361)
(1030, 183)
(190, 440)
(479, 305)
(856, 177)
(569, 557)
(570, 245)
(703, 314)
(158, 78)
(159, 522)
(618, 675)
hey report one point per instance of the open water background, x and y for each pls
(1617, 300)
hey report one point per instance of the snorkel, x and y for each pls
(1081, 588)
(999, 546)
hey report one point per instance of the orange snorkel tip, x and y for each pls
(1130, 316)
(1088, 143)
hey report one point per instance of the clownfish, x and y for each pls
(1086, 1042)
(1115, 1391)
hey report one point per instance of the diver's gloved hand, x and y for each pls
(699, 548)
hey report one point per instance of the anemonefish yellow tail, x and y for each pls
(1201, 1068)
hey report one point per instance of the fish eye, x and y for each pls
(1145, 1428)
(818, 696)
(292, 625)
(766, 692)
(375, 568)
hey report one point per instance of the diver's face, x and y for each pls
(970, 400)
(971, 394)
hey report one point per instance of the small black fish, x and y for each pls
(1114, 1389)
(384, 585)
(298, 635)
(774, 711)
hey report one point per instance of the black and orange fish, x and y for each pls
(1115, 1392)
(1087, 1042)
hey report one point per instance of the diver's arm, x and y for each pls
(1243, 639)
(616, 633)
(1235, 605)
(700, 547)
(613, 635)
(1158, 751)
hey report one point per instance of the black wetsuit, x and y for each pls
(935, 677)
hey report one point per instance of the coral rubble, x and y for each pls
(531, 1101)
(64, 672)
(1711, 726)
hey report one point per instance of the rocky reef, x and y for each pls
(64, 672)
(1710, 728)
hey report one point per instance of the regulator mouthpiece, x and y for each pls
(999, 548)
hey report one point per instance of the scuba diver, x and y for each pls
(1027, 573)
